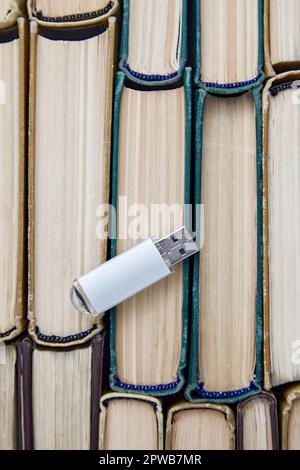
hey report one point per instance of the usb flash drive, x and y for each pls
(131, 272)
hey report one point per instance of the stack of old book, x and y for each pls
(204, 112)
(57, 67)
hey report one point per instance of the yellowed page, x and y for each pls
(61, 399)
(257, 425)
(201, 429)
(154, 38)
(229, 40)
(130, 425)
(284, 30)
(71, 174)
(151, 171)
(284, 236)
(227, 280)
(9, 181)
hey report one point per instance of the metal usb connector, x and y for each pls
(177, 247)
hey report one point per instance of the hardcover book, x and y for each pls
(71, 81)
(226, 333)
(13, 99)
(257, 423)
(71, 381)
(204, 426)
(281, 229)
(214, 426)
(151, 168)
(130, 422)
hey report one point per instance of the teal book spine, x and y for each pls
(115, 383)
(195, 391)
(227, 88)
(153, 78)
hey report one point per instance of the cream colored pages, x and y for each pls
(151, 172)
(130, 425)
(71, 174)
(284, 31)
(257, 428)
(154, 39)
(7, 398)
(284, 236)
(61, 399)
(227, 280)
(201, 429)
(53, 8)
(229, 40)
(9, 181)
(294, 426)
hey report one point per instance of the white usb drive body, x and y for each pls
(131, 272)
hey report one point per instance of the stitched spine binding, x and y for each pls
(229, 394)
(64, 339)
(7, 333)
(77, 17)
(230, 86)
(285, 86)
(147, 388)
(152, 77)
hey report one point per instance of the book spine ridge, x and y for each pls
(76, 17)
(228, 394)
(64, 339)
(147, 388)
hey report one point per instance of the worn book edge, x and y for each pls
(226, 410)
(15, 19)
(191, 392)
(130, 396)
(82, 337)
(160, 389)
